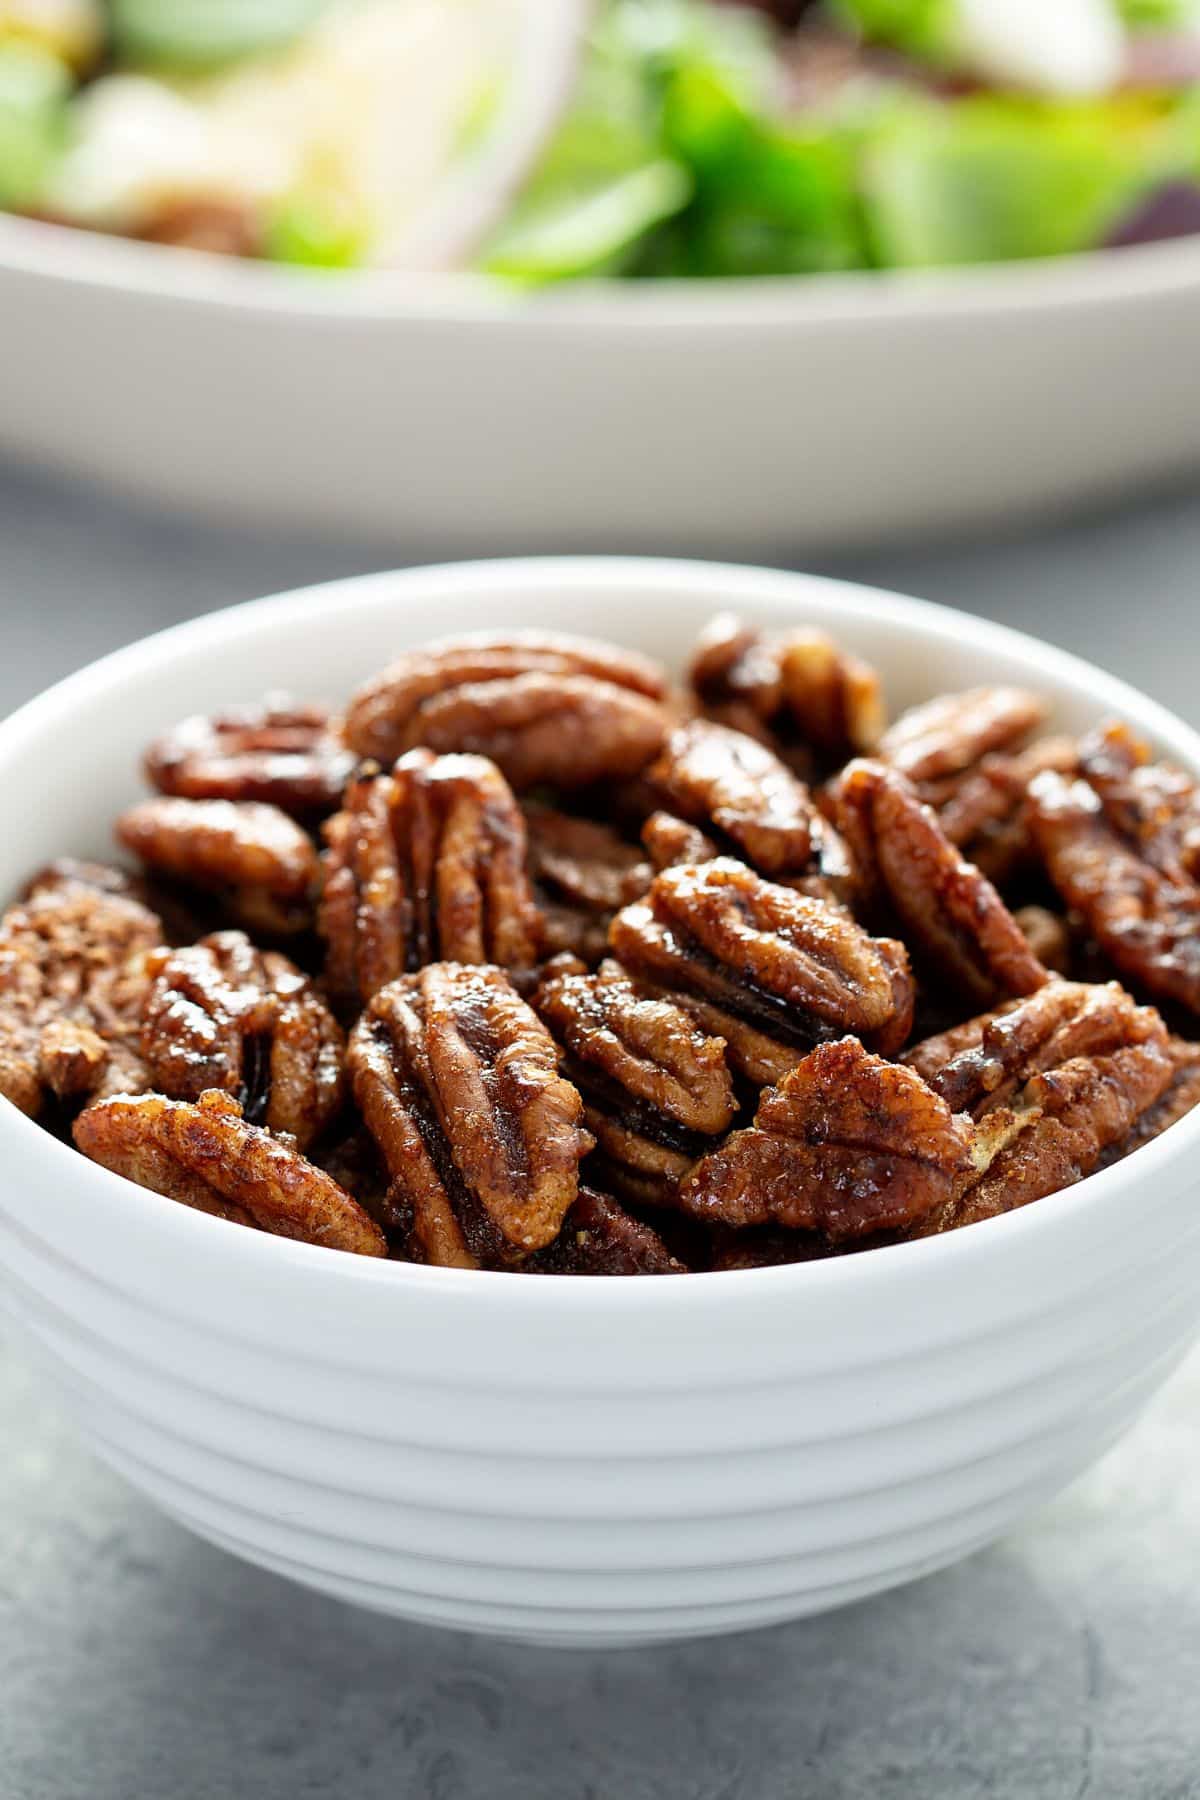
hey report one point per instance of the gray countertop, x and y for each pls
(138, 1664)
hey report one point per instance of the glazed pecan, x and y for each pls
(656, 1090)
(426, 863)
(740, 794)
(797, 692)
(206, 1155)
(599, 1237)
(73, 975)
(669, 841)
(848, 1145)
(281, 752)
(769, 970)
(946, 737)
(458, 1082)
(1063, 1123)
(1177, 1099)
(221, 1014)
(1120, 845)
(981, 1064)
(548, 709)
(915, 881)
(583, 871)
(254, 856)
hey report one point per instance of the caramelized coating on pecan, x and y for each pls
(848, 1145)
(1120, 845)
(423, 864)
(1177, 1099)
(797, 692)
(546, 707)
(770, 970)
(670, 841)
(206, 1155)
(258, 860)
(986, 812)
(458, 1082)
(281, 752)
(221, 1014)
(914, 878)
(947, 736)
(656, 1090)
(583, 871)
(981, 1064)
(1067, 1118)
(740, 794)
(73, 974)
(768, 1247)
(599, 1237)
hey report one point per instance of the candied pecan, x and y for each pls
(769, 970)
(582, 872)
(598, 1237)
(1177, 1099)
(535, 732)
(985, 812)
(566, 731)
(655, 1089)
(670, 841)
(953, 733)
(767, 1247)
(425, 863)
(356, 1164)
(281, 752)
(913, 878)
(1120, 869)
(981, 1063)
(458, 1082)
(740, 793)
(1152, 804)
(797, 692)
(206, 1155)
(1066, 1119)
(258, 859)
(848, 1145)
(221, 1014)
(73, 973)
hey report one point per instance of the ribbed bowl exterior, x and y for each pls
(590, 1462)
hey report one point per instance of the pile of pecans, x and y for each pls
(527, 962)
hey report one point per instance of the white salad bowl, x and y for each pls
(577, 1460)
(452, 415)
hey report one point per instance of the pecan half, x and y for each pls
(656, 1090)
(1120, 844)
(915, 881)
(73, 974)
(769, 970)
(948, 736)
(599, 1237)
(797, 692)
(743, 796)
(221, 1014)
(547, 708)
(981, 1064)
(424, 864)
(1177, 1099)
(281, 752)
(260, 862)
(848, 1145)
(583, 871)
(458, 1082)
(206, 1155)
(670, 841)
(1065, 1120)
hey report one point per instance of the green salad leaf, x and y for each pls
(925, 28)
(988, 178)
(35, 88)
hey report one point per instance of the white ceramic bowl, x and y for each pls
(454, 416)
(579, 1460)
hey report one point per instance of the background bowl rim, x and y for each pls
(74, 256)
(22, 1139)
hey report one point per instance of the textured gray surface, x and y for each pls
(136, 1663)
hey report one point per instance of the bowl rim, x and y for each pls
(98, 261)
(21, 1138)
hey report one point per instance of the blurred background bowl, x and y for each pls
(450, 413)
(577, 1460)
